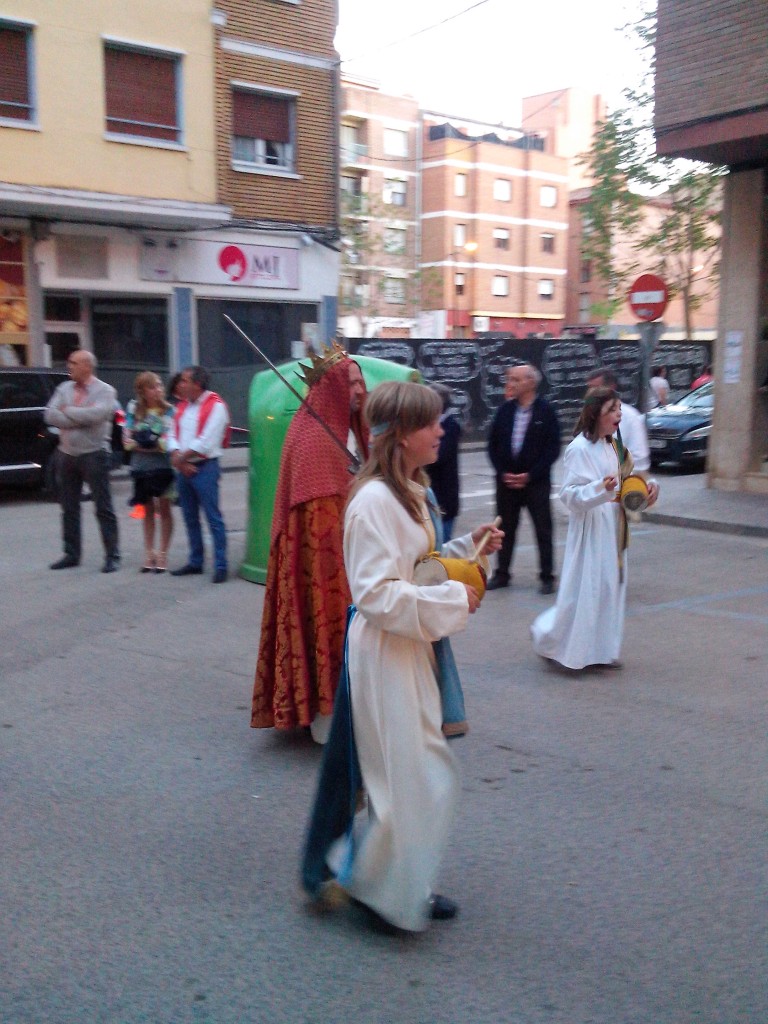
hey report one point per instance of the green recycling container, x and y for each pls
(271, 406)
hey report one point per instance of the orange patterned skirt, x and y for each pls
(302, 624)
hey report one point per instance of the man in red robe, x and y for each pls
(307, 594)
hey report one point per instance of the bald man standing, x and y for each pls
(523, 444)
(83, 410)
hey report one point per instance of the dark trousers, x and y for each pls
(72, 472)
(509, 502)
(202, 491)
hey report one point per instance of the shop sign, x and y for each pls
(249, 266)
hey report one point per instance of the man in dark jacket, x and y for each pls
(523, 444)
(444, 474)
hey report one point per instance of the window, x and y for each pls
(16, 102)
(351, 185)
(460, 185)
(546, 289)
(395, 192)
(548, 196)
(394, 241)
(502, 190)
(458, 283)
(500, 285)
(395, 142)
(586, 271)
(459, 235)
(394, 290)
(500, 238)
(585, 306)
(262, 130)
(142, 94)
(352, 147)
(547, 243)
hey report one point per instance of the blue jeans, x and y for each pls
(202, 491)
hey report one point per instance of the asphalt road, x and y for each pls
(609, 855)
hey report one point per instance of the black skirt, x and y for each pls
(150, 483)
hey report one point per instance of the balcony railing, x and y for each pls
(352, 153)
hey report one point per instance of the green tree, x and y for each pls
(683, 243)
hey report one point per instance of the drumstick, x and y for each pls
(485, 538)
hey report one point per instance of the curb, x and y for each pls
(741, 530)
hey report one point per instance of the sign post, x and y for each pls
(648, 299)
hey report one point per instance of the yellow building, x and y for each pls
(161, 164)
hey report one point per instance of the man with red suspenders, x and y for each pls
(201, 432)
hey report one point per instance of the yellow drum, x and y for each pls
(435, 569)
(634, 494)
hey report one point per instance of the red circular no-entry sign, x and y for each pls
(648, 297)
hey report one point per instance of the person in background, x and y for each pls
(408, 772)
(174, 393)
(523, 445)
(704, 377)
(633, 433)
(307, 594)
(444, 473)
(200, 434)
(148, 425)
(659, 387)
(83, 409)
(586, 624)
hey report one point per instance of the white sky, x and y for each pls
(481, 64)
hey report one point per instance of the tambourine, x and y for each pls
(634, 495)
(435, 569)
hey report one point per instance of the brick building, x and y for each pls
(712, 104)
(494, 224)
(161, 165)
(450, 226)
(379, 188)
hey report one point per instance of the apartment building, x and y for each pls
(450, 227)
(711, 103)
(161, 164)
(380, 160)
(494, 229)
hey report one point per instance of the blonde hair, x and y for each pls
(143, 380)
(394, 410)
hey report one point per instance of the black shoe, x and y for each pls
(111, 564)
(220, 576)
(497, 581)
(67, 562)
(441, 908)
(547, 587)
(188, 570)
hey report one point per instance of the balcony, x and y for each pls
(351, 154)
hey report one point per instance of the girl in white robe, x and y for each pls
(586, 625)
(409, 774)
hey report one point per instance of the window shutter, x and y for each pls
(14, 80)
(256, 116)
(141, 94)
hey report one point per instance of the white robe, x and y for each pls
(585, 626)
(409, 773)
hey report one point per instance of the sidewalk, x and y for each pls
(685, 500)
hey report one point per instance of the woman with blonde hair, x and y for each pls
(149, 419)
(408, 772)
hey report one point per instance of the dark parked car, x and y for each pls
(26, 443)
(680, 432)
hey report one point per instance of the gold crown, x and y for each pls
(328, 356)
